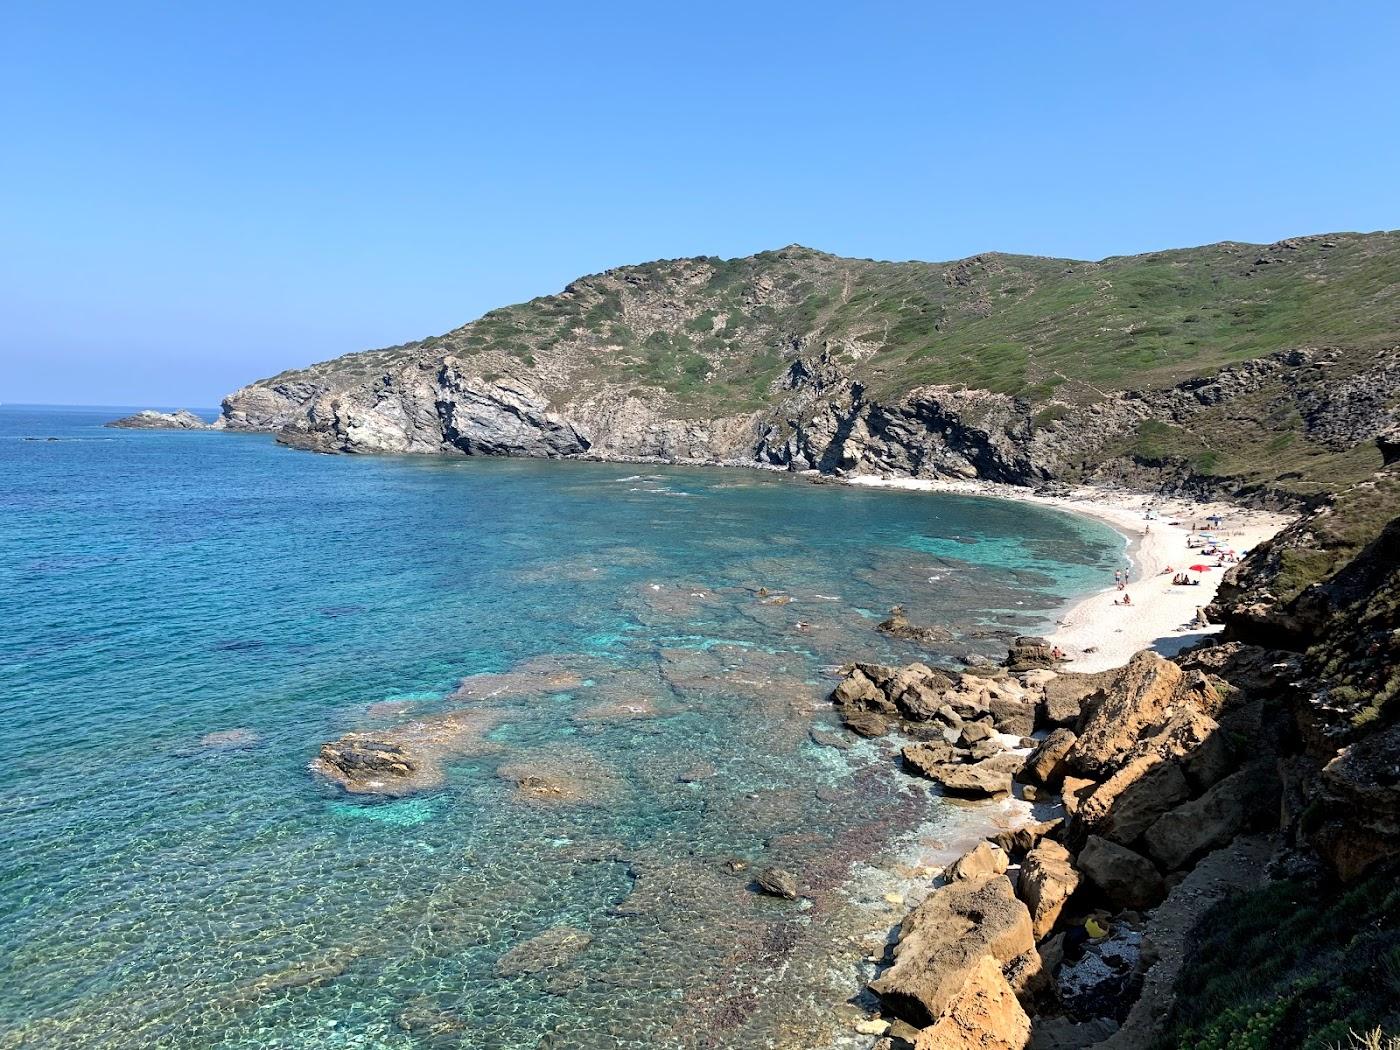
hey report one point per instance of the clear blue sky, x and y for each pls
(196, 195)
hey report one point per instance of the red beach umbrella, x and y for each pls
(1200, 568)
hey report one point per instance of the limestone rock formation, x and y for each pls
(945, 939)
(984, 1014)
(1048, 879)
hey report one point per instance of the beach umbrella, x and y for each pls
(1200, 568)
(1215, 518)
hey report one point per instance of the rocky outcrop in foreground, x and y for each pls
(1167, 784)
(150, 419)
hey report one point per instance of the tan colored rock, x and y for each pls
(1065, 696)
(1126, 879)
(984, 1014)
(1194, 740)
(1046, 764)
(945, 938)
(978, 780)
(1132, 800)
(1132, 700)
(1012, 715)
(930, 755)
(857, 690)
(1019, 840)
(1073, 792)
(975, 731)
(1048, 878)
(864, 723)
(983, 859)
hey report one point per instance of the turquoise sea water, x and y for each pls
(160, 886)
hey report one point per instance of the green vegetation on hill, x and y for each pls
(715, 334)
(1291, 966)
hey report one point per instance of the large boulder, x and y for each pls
(857, 690)
(1126, 879)
(1064, 696)
(364, 763)
(984, 1014)
(1017, 841)
(1030, 653)
(777, 882)
(1239, 803)
(983, 859)
(946, 938)
(1132, 800)
(865, 723)
(929, 755)
(1046, 764)
(980, 780)
(1012, 715)
(1048, 879)
(1132, 700)
(898, 625)
(150, 419)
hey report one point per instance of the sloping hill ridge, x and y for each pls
(1265, 369)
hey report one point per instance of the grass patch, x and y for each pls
(1292, 965)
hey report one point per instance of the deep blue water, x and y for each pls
(158, 888)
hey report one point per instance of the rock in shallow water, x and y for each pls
(776, 882)
(553, 948)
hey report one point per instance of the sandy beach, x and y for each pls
(1097, 634)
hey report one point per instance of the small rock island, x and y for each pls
(150, 419)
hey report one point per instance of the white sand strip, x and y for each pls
(1097, 634)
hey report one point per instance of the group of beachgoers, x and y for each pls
(1203, 540)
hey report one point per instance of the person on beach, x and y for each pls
(1118, 578)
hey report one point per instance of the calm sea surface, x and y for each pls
(160, 886)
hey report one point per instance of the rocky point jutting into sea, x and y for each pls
(1233, 806)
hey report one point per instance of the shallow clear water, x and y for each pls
(159, 887)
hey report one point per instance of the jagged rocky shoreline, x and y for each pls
(822, 419)
(1166, 787)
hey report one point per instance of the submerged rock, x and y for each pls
(403, 759)
(565, 776)
(552, 948)
(230, 739)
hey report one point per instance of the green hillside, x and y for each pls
(717, 333)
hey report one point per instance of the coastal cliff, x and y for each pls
(1240, 369)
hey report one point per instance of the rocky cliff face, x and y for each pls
(803, 360)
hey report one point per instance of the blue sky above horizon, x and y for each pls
(196, 196)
